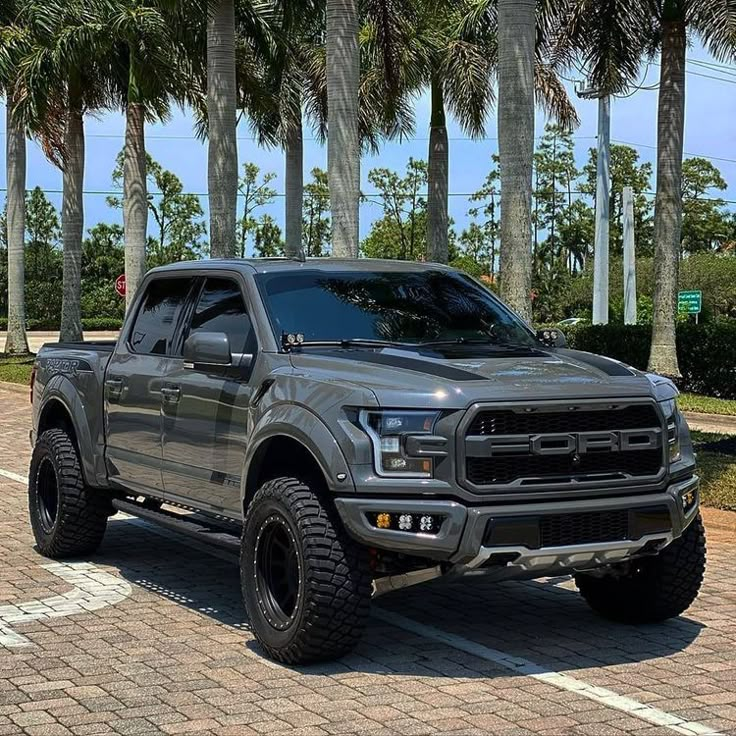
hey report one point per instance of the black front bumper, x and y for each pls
(467, 534)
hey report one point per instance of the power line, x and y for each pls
(367, 195)
(728, 69)
(459, 138)
(252, 139)
(685, 153)
(705, 76)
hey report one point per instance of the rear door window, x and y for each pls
(154, 330)
(221, 308)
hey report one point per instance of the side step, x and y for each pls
(192, 525)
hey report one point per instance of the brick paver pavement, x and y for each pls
(173, 653)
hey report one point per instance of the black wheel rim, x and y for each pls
(278, 572)
(47, 489)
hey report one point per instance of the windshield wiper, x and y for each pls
(351, 342)
(342, 343)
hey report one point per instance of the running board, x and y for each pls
(182, 524)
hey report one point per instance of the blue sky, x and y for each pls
(710, 131)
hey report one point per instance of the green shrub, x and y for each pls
(90, 324)
(101, 324)
(706, 352)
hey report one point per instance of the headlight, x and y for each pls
(389, 431)
(672, 415)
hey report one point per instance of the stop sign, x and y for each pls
(120, 284)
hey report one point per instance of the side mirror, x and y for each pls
(552, 337)
(207, 351)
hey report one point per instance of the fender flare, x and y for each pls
(60, 389)
(306, 428)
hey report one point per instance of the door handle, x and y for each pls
(171, 393)
(114, 387)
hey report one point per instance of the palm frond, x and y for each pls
(606, 37)
(715, 22)
(552, 96)
(467, 69)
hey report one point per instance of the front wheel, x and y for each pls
(651, 589)
(67, 517)
(305, 583)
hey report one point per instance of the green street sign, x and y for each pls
(690, 302)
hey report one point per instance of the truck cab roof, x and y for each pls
(270, 265)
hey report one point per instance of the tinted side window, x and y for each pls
(221, 309)
(153, 331)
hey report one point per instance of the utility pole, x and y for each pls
(629, 258)
(602, 203)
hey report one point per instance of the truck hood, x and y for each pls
(457, 376)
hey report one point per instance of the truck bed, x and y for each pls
(101, 346)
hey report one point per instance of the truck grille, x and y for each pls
(548, 446)
(493, 421)
(587, 528)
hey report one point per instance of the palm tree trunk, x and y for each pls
(16, 341)
(294, 175)
(222, 162)
(343, 145)
(437, 179)
(135, 196)
(668, 204)
(72, 222)
(516, 34)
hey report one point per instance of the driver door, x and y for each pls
(206, 414)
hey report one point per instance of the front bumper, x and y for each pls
(509, 536)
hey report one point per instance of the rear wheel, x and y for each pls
(306, 584)
(67, 517)
(651, 589)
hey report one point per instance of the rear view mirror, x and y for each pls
(207, 351)
(552, 337)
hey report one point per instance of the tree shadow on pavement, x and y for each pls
(547, 622)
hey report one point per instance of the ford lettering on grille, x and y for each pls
(504, 447)
(565, 444)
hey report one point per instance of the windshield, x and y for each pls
(402, 307)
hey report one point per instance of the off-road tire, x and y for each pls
(77, 523)
(334, 581)
(653, 588)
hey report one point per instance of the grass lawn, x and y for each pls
(16, 370)
(717, 468)
(706, 404)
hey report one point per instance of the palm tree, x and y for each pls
(11, 42)
(235, 41)
(146, 72)
(275, 98)
(513, 39)
(61, 77)
(343, 142)
(300, 69)
(222, 161)
(516, 37)
(612, 38)
(16, 341)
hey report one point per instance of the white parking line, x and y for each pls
(564, 682)
(14, 476)
(518, 665)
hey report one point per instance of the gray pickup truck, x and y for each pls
(354, 427)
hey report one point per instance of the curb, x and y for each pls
(724, 423)
(18, 388)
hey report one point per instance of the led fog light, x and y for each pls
(414, 523)
(688, 499)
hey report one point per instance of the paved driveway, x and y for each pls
(149, 636)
